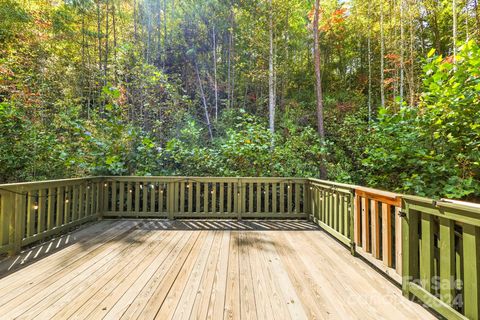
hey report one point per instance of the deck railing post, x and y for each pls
(410, 246)
(351, 221)
(17, 218)
(171, 199)
(241, 199)
(8, 217)
(308, 200)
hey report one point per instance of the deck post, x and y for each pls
(351, 222)
(307, 207)
(241, 200)
(410, 248)
(171, 199)
(17, 203)
(471, 254)
(8, 208)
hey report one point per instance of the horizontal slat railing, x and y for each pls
(30, 212)
(441, 260)
(378, 229)
(205, 197)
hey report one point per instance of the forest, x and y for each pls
(382, 93)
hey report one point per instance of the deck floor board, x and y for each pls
(147, 269)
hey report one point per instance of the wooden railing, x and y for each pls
(332, 208)
(202, 197)
(30, 212)
(441, 255)
(378, 229)
(417, 242)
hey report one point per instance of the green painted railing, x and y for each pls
(205, 197)
(431, 247)
(33, 211)
(441, 255)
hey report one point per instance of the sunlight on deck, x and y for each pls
(198, 269)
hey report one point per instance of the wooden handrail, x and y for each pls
(446, 275)
(388, 229)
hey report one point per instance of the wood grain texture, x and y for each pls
(155, 269)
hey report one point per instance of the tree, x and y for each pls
(318, 81)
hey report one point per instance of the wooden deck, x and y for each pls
(198, 270)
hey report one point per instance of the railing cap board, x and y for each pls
(206, 179)
(458, 211)
(334, 184)
(45, 183)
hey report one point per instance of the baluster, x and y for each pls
(229, 197)
(51, 208)
(42, 209)
(282, 197)
(386, 234)
(289, 197)
(206, 194)
(266, 198)
(74, 206)
(250, 197)
(137, 197)
(129, 197)
(121, 198)
(60, 206)
(68, 204)
(198, 204)
(190, 197)
(214, 197)
(376, 229)
(297, 198)
(85, 202)
(259, 197)
(274, 197)
(222, 197)
(152, 190)
(427, 250)
(446, 243)
(182, 197)
(145, 192)
(366, 224)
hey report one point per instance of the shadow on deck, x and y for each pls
(146, 269)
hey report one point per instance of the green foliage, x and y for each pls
(245, 150)
(434, 149)
(27, 150)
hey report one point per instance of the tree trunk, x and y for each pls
(412, 86)
(382, 58)
(271, 77)
(204, 100)
(402, 51)
(477, 19)
(114, 26)
(318, 78)
(107, 26)
(165, 34)
(215, 72)
(99, 36)
(135, 36)
(454, 14)
(369, 67)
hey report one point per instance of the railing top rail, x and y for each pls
(460, 211)
(205, 178)
(35, 184)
